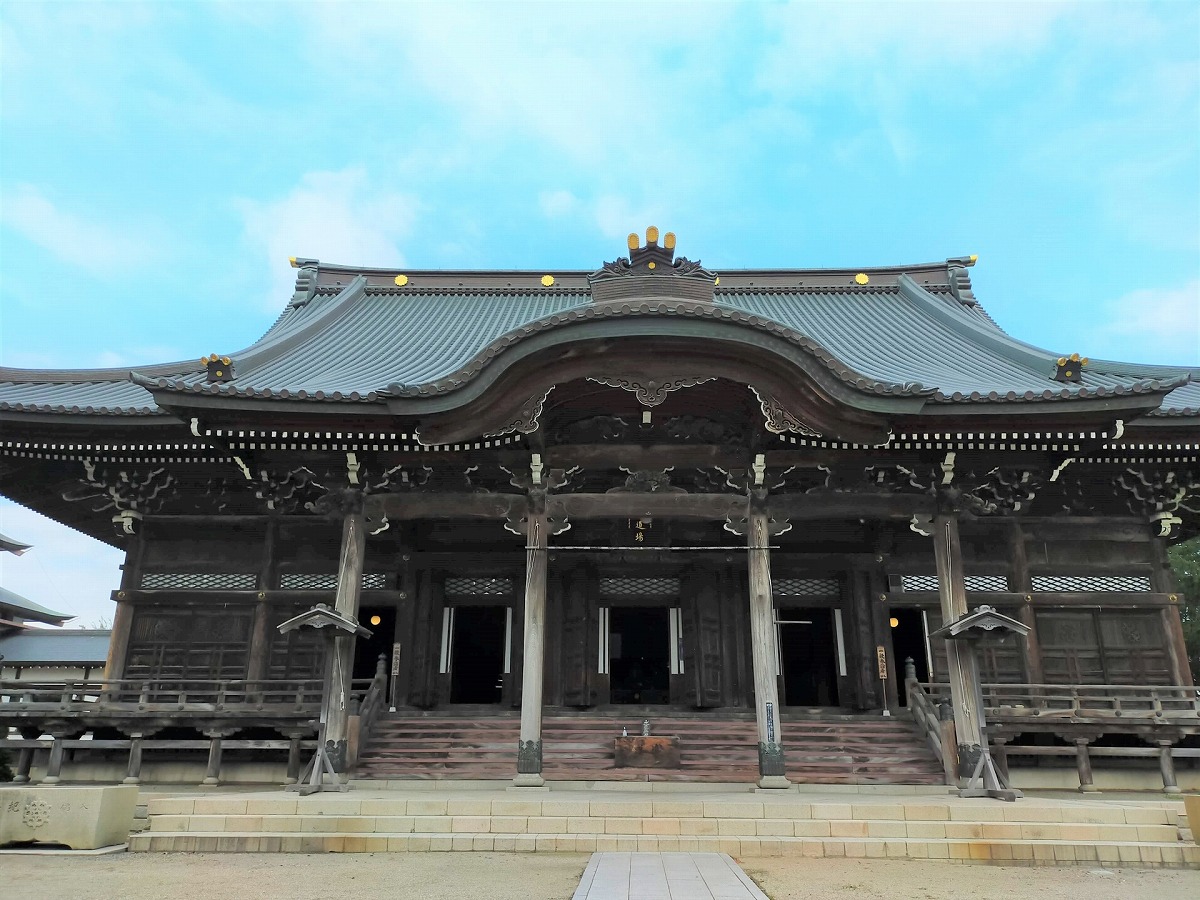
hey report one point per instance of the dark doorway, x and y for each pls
(368, 650)
(808, 656)
(908, 642)
(477, 655)
(639, 655)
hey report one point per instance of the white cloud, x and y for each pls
(556, 204)
(333, 216)
(65, 571)
(1155, 325)
(98, 248)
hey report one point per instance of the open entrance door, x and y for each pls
(639, 654)
(476, 653)
(909, 641)
(381, 620)
(808, 658)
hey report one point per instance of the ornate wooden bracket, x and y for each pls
(129, 493)
(648, 391)
(778, 419)
(526, 421)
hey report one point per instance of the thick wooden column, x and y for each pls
(122, 626)
(529, 746)
(261, 633)
(964, 670)
(1019, 581)
(336, 702)
(771, 766)
(1163, 580)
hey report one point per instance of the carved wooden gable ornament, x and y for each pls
(652, 270)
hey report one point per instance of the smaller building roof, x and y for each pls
(44, 646)
(12, 545)
(15, 605)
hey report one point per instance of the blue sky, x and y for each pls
(159, 164)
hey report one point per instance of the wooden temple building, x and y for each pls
(643, 491)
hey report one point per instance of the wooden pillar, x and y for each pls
(1162, 580)
(133, 772)
(1020, 582)
(963, 666)
(1083, 763)
(131, 577)
(1166, 765)
(293, 760)
(336, 701)
(771, 764)
(529, 746)
(260, 631)
(212, 773)
(862, 644)
(54, 764)
(24, 764)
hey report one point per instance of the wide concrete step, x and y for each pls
(1032, 832)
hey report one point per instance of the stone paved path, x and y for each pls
(665, 876)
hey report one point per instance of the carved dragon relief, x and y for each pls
(1161, 496)
(649, 392)
(647, 482)
(778, 419)
(131, 494)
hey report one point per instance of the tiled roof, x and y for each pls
(915, 331)
(44, 646)
(27, 609)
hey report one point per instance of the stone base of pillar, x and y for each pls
(130, 779)
(528, 780)
(529, 757)
(968, 758)
(773, 783)
(1173, 789)
(1088, 789)
(770, 760)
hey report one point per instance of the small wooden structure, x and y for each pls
(983, 624)
(328, 766)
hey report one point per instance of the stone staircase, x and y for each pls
(824, 749)
(840, 822)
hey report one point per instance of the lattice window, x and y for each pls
(478, 587)
(313, 581)
(971, 582)
(639, 587)
(1086, 583)
(805, 587)
(199, 581)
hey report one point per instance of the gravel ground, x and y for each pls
(529, 876)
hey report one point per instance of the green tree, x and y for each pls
(1185, 560)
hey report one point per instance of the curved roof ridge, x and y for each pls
(995, 338)
(87, 376)
(270, 347)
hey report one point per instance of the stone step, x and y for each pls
(1013, 852)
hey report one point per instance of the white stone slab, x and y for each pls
(665, 876)
(82, 818)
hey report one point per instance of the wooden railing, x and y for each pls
(365, 712)
(162, 694)
(136, 747)
(935, 722)
(1160, 714)
(1086, 702)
